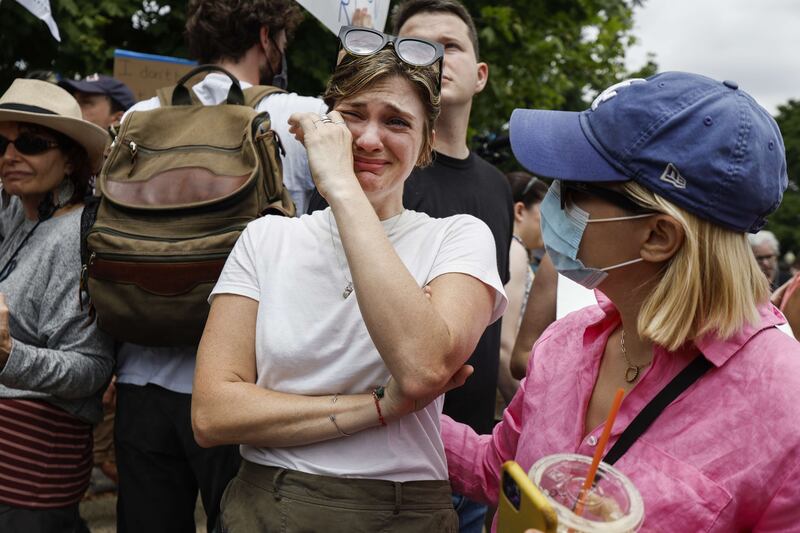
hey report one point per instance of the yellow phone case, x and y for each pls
(521, 506)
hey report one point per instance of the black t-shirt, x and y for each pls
(470, 186)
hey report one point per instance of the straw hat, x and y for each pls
(46, 104)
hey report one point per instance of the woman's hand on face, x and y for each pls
(5, 335)
(330, 151)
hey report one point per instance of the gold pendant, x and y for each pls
(631, 374)
(347, 291)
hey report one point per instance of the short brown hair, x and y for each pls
(526, 187)
(404, 11)
(225, 29)
(355, 74)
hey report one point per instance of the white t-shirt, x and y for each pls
(311, 341)
(173, 367)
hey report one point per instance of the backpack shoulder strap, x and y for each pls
(165, 96)
(253, 95)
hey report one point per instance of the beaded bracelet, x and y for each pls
(377, 394)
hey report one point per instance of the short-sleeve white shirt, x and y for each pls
(312, 341)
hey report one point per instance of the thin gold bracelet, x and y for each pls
(333, 419)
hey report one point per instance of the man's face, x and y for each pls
(767, 260)
(273, 54)
(463, 76)
(96, 108)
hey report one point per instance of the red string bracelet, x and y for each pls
(377, 394)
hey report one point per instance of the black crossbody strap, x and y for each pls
(693, 371)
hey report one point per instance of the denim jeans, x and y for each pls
(471, 515)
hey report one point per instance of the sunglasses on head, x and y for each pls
(27, 144)
(359, 41)
(609, 195)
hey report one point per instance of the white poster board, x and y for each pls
(337, 13)
(570, 297)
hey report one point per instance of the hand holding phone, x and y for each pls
(521, 505)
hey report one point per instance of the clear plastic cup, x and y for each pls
(612, 505)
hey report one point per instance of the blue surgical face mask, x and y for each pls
(562, 231)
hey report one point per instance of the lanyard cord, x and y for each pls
(11, 264)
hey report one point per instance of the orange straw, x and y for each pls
(598, 453)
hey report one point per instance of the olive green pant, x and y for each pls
(268, 499)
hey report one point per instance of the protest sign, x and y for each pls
(146, 73)
(337, 13)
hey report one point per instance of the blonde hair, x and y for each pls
(711, 285)
(355, 74)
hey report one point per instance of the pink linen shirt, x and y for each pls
(724, 456)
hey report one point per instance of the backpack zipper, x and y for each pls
(135, 149)
(161, 258)
(134, 236)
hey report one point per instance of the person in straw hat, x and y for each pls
(54, 363)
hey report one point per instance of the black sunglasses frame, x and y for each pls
(395, 41)
(610, 196)
(26, 148)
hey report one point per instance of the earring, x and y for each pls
(64, 192)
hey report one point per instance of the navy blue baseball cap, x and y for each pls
(704, 145)
(100, 84)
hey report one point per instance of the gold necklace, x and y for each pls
(632, 372)
(348, 288)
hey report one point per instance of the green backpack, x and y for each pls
(179, 185)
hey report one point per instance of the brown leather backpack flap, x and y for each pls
(163, 279)
(177, 187)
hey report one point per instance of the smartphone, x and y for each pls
(521, 505)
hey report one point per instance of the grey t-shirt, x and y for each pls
(57, 354)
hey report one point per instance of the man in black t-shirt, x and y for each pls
(471, 186)
(459, 182)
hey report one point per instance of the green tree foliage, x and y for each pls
(785, 222)
(542, 53)
(553, 54)
(90, 31)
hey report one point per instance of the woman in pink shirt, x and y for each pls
(658, 183)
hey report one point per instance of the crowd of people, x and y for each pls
(371, 363)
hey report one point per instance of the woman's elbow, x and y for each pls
(430, 381)
(204, 426)
(422, 385)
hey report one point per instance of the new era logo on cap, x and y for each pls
(673, 177)
(611, 92)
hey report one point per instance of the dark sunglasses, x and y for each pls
(613, 197)
(27, 144)
(359, 41)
